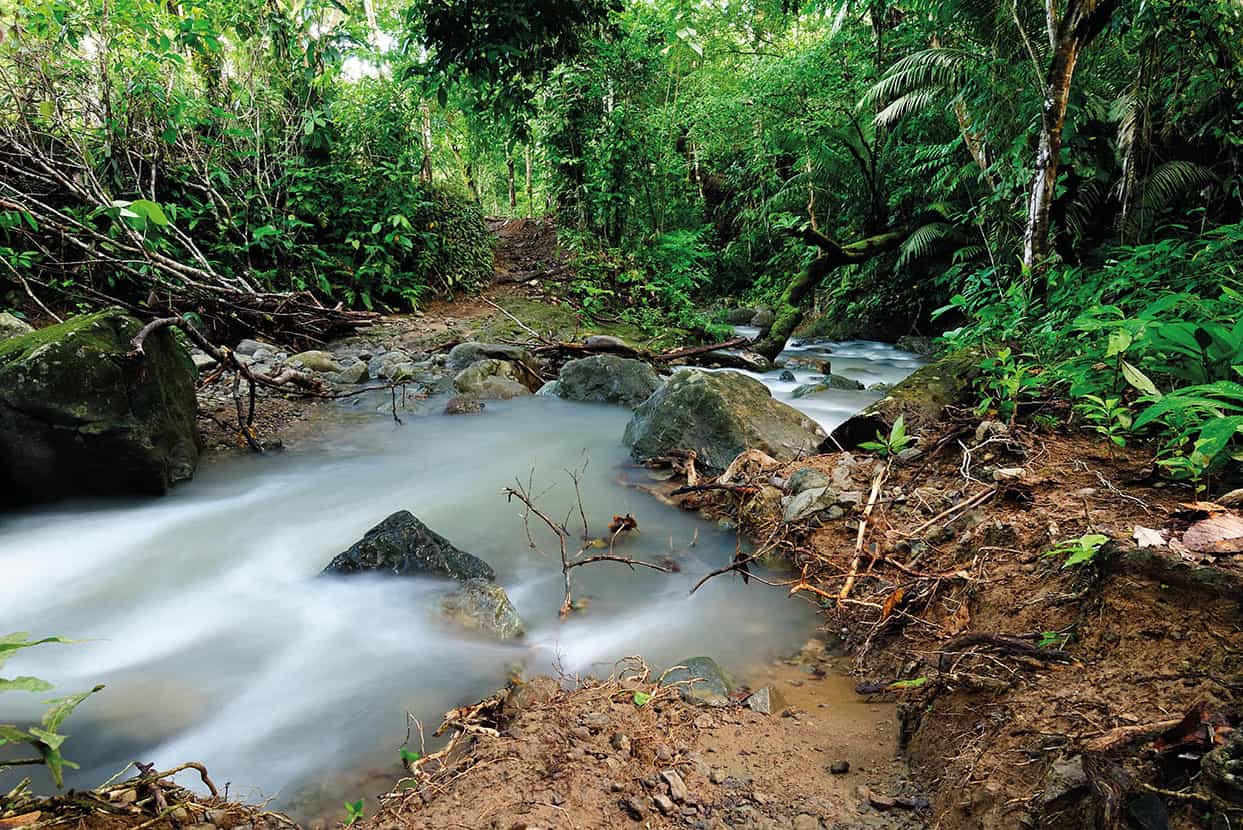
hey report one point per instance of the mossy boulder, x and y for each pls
(607, 378)
(79, 416)
(920, 399)
(718, 415)
(483, 606)
(403, 546)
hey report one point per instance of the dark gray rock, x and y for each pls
(79, 416)
(699, 680)
(787, 376)
(763, 318)
(483, 606)
(738, 316)
(463, 405)
(607, 378)
(466, 354)
(719, 414)
(807, 478)
(829, 382)
(404, 546)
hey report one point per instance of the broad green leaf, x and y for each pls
(24, 684)
(1139, 380)
(641, 698)
(62, 707)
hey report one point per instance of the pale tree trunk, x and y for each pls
(1080, 21)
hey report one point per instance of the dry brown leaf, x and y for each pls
(19, 821)
(892, 603)
(960, 621)
(1189, 555)
(1220, 534)
(1146, 537)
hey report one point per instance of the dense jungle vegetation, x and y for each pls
(1059, 182)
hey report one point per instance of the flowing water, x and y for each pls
(202, 613)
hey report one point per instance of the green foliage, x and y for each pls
(890, 445)
(641, 699)
(46, 738)
(1106, 416)
(353, 812)
(1006, 380)
(1078, 551)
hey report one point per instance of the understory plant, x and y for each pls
(45, 739)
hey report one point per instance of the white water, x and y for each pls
(202, 614)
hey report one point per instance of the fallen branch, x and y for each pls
(877, 480)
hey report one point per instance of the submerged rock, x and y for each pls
(404, 546)
(699, 680)
(492, 379)
(11, 326)
(607, 378)
(79, 416)
(353, 374)
(463, 405)
(828, 382)
(483, 606)
(719, 414)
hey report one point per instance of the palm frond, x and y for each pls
(1163, 188)
(930, 68)
(911, 102)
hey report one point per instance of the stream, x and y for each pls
(202, 614)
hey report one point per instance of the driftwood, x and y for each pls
(568, 349)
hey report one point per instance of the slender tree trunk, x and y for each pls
(426, 112)
(530, 185)
(1080, 22)
(513, 190)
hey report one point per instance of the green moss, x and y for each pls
(87, 328)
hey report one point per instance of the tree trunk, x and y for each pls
(530, 186)
(1081, 21)
(513, 191)
(426, 172)
(789, 312)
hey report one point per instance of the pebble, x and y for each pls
(840, 767)
(581, 732)
(620, 742)
(717, 776)
(663, 804)
(677, 787)
(634, 808)
(595, 721)
(663, 753)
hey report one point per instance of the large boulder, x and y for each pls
(79, 416)
(491, 379)
(404, 546)
(737, 316)
(11, 326)
(718, 415)
(607, 378)
(483, 606)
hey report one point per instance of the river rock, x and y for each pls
(806, 478)
(699, 680)
(404, 546)
(738, 359)
(548, 390)
(491, 379)
(465, 354)
(766, 700)
(787, 376)
(353, 374)
(827, 383)
(463, 405)
(807, 503)
(249, 347)
(763, 318)
(483, 606)
(11, 326)
(607, 342)
(316, 361)
(738, 316)
(719, 414)
(79, 416)
(607, 378)
(915, 344)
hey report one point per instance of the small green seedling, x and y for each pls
(641, 698)
(409, 757)
(353, 812)
(913, 683)
(1080, 550)
(892, 444)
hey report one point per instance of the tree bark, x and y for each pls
(513, 190)
(789, 312)
(1080, 22)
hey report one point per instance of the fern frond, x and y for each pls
(1162, 188)
(908, 104)
(923, 240)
